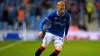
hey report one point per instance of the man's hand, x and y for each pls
(65, 37)
(40, 34)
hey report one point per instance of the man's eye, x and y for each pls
(61, 9)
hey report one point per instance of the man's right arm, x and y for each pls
(41, 32)
(42, 24)
(44, 21)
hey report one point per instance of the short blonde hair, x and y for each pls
(60, 3)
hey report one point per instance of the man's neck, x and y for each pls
(59, 14)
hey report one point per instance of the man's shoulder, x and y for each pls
(53, 12)
(67, 14)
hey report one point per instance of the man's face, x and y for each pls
(61, 10)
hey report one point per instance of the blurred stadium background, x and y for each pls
(19, 23)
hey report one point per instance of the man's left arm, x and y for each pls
(67, 26)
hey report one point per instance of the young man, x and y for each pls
(59, 23)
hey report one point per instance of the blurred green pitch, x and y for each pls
(72, 48)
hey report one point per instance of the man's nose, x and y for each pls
(62, 11)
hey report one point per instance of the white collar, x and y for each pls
(59, 15)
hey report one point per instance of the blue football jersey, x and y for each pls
(58, 24)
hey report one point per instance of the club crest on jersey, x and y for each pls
(65, 19)
(55, 18)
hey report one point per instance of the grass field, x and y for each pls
(28, 48)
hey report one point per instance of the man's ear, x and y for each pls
(57, 7)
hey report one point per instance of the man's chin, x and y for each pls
(62, 14)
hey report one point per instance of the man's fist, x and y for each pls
(41, 35)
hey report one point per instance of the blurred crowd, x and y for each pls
(27, 14)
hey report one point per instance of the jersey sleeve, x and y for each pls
(42, 24)
(68, 24)
(45, 20)
(49, 16)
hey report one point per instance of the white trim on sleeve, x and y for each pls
(70, 18)
(47, 18)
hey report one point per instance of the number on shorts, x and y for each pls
(61, 39)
